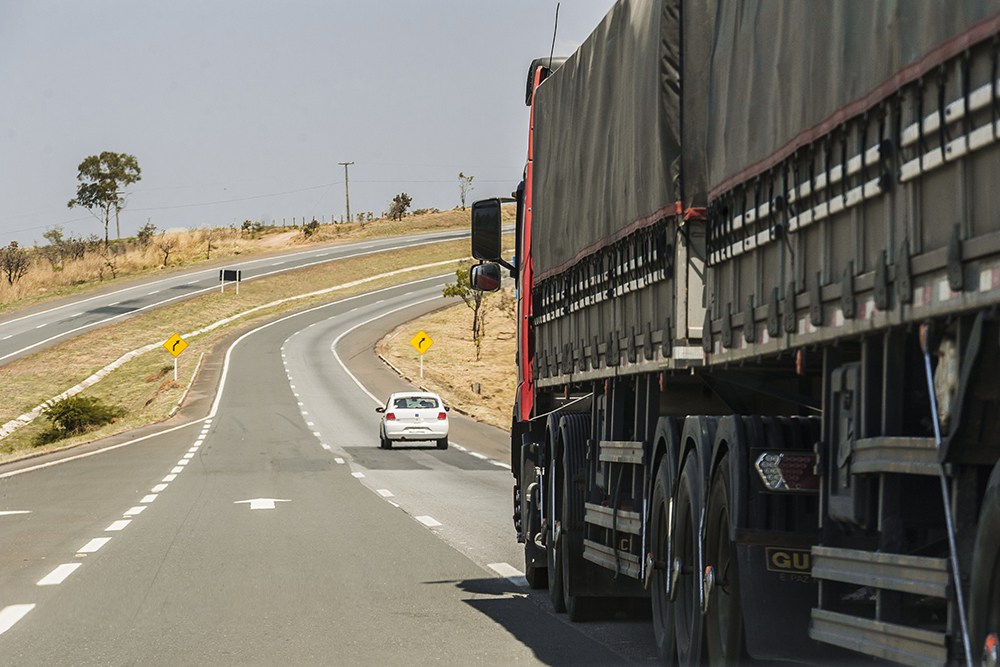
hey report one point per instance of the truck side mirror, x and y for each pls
(486, 244)
(485, 277)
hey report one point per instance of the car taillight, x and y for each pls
(788, 471)
(442, 415)
(389, 416)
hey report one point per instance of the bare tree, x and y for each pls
(166, 245)
(472, 298)
(464, 186)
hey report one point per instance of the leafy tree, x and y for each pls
(102, 181)
(311, 228)
(14, 262)
(464, 186)
(472, 298)
(145, 234)
(400, 203)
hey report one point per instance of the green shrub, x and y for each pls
(75, 415)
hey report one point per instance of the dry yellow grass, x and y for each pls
(141, 385)
(450, 365)
(190, 248)
(145, 386)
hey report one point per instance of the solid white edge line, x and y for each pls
(333, 345)
(98, 451)
(11, 614)
(385, 493)
(510, 573)
(58, 575)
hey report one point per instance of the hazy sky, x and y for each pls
(242, 109)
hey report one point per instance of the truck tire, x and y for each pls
(663, 608)
(724, 636)
(688, 620)
(984, 592)
(554, 544)
(578, 607)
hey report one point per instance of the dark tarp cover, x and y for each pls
(781, 68)
(758, 77)
(607, 139)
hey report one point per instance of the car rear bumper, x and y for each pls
(421, 432)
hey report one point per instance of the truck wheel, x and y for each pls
(984, 592)
(724, 621)
(663, 608)
(553, 549)
(687, 612)
(536, 576)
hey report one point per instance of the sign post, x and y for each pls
(421, 342)
(232, 276)
(175, 345)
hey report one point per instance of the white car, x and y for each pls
(413, 415)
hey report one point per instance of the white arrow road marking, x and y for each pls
(12, 614)
(10, 512)
(262, 503)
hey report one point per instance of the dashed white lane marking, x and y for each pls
(310, 424)
(317, 434)
(505, 466)
(58, 575)
(189, 455)
(148, 498)
(359, 475)
(159, 488)
(7, 338)
(428, 521)
(118, 525)
(326, 447)
(183, 462)
(393, 504)
(152, 293)
(176, 469)
(339, 461)
(11, 614)
(385, 493)
(93, 546)
(479, 456)
(44, 324)
(114, 304)
(134, 511)
(169, 478)
(510, 573)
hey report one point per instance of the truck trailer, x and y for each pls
(758, 352)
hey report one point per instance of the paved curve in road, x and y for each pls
(28, 331)
(275, 531)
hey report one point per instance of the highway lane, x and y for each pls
(24, 332)
(149, 553)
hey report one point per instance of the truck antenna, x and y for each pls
(555, 28)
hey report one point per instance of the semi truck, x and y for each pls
(758, 352)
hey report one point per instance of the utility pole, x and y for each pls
(347, 189)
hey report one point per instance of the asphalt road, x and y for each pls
(28, 331)
(274, 531)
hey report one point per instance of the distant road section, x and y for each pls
(22, 333)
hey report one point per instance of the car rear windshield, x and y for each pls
(415, 403)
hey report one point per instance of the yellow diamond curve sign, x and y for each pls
(175, 345)
(422, 342)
